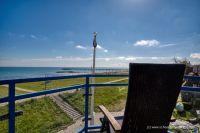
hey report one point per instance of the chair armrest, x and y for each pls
(115, 125)
(172, 119)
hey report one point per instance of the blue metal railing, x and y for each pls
(11, 98)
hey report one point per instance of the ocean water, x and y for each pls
(26, 72)
(30, 72)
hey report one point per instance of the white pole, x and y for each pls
(93, 81)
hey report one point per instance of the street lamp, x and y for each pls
(93, 80)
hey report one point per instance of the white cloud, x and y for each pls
(101, 48)
(147, 43)
(33, 36)
(154, 58)
(105, 50)
(121, 57)
(81, 47)
(130, 58)
(167, 45)
(60, 61)
(59, 57)
(107, 59)
(179, 58)
(195, 55)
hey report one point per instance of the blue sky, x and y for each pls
(59, 33)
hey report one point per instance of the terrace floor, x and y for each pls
(79, 123)
(180, 124)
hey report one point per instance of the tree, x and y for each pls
(182, 61)
(185, 61)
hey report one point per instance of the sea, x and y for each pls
(32, 72)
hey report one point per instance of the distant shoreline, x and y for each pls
(31, 72)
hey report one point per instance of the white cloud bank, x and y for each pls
(81, 47)
(33, 37)
(195, 55)
(101, 48)
(60, 61)
(87, 48)
(167, 45)
(59, 57)
(147, 43)
(152, 43)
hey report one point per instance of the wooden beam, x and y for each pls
(114, 123)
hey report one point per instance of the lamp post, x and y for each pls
(93, 80)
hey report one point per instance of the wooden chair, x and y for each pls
(152, 94)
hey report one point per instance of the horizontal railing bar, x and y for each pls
(40, 79)
(40, 93)
(98, 85)
(4, 99)
(89, 127)
(187, 88)
(80, 130)
(94, 127)
(192, 77)
(75, 76)
(58, 77)
(107, 75)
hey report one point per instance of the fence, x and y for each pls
(11, 98)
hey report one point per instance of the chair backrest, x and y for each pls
(152, 93)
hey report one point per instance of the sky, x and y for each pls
(59, 33)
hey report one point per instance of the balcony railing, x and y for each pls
(11, 98)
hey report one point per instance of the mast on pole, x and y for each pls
(93, 80)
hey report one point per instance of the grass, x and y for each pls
(4, 91)
(38, 86)
(112, 98)
(40, 116)
(186, 115)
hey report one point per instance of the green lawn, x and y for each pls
(186, 115)
(111, 97)
(37, 86)
(4, 91)
(40, 116)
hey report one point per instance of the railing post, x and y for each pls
(86, 103)
(11, 107)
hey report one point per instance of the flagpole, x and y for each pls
(93, 80)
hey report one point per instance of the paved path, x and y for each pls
(115, 81)
(23, 100)
(20, 89)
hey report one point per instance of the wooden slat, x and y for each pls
(6, 116)
(183, 84)
(173, 119)
(115, 125)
